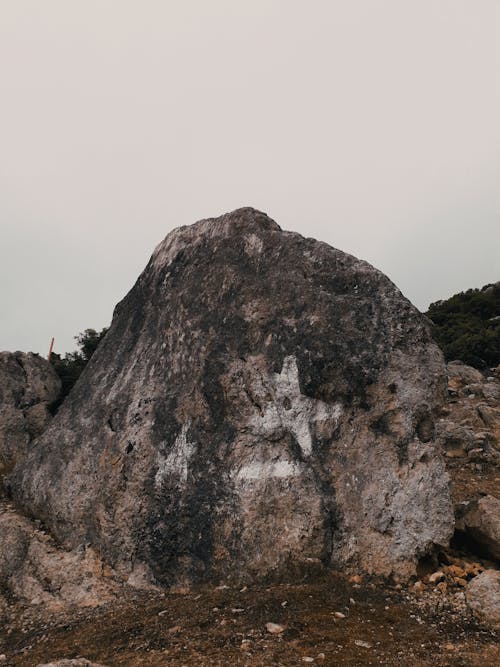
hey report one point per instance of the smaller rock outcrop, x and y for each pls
(28, 387)
(459, 375)
(35, 571)
(483, 597)
(469, 427)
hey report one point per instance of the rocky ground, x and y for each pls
(329, 622)
(445, 617)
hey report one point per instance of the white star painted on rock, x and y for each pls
(291, 410)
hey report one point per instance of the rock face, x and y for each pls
(261, 400)
(28, 386)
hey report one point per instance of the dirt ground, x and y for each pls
(470, 484)
(382, 625)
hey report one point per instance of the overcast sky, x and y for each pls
(372, 125)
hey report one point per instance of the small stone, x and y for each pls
(458, 581)
(455, 571)
(418, 586)
(3, 657)
(363, 644)
(245, 645)
(237, 610)
(338, 614)
(436, 576)
(174, 629)
(244, 589)
(284, 603)
(320, 656)
(307, 658)
(449, 647)
(355, 579)
(275, 628)
(442, 587)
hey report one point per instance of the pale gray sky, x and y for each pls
(370, 124)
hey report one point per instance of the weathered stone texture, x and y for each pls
(261, 400)
(28, 386)
(483, 597)
(33, 570)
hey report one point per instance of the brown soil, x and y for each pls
(470, 481)
(207, 627)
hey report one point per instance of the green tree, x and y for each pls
(467, 326)
(70, 367)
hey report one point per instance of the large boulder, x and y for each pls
(261, 401)
(28, 387)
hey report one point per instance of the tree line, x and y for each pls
(467, 326)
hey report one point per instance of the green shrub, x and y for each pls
(70, 367)
(467, 326)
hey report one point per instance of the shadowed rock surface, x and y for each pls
(28, 386)
(261, 401)
(480, 522)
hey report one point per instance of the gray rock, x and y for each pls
(261, 401)
(454, 438)
(490, 416)
(483, 597)
(34, 571)
(491, 392)
(487, 390)
(480, 522)
(459, 374)
(28, 386)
